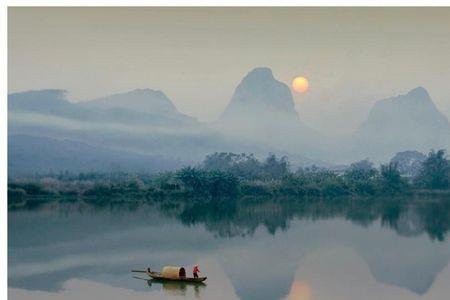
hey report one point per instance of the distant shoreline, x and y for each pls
(16, 201)
(225, 177)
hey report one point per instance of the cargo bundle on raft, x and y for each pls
(171, 273)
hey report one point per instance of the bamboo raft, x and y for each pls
(170, 273)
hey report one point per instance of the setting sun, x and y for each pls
(300, 84)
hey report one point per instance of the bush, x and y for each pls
(361, 177)
(16, 194)
(213, 184)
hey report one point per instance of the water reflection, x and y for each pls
(340, 273)
(300, 291)
(85, 289)
(252, 250)
(178, 288)
(407, 216)
(175, 288)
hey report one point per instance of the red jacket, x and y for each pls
(196, 270)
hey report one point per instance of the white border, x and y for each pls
(219, 3)
(167, 3)
(4, 156)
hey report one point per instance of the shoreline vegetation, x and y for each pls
(223, 177)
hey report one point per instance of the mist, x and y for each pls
(157, 82)
(352, 56)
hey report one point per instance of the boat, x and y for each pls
(171, 273)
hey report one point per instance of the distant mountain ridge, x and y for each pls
(262, 109)
(414, 106)
(260, 118)
(145, 106)
(259, 92)
(164, 132)
(405, 122)
(28, 155)
(48, 102)
(139, 100)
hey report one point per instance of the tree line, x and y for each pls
(229, 176)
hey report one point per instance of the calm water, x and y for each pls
(393, 249)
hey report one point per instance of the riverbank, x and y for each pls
(227, 176)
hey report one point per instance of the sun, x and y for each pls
(300, 84)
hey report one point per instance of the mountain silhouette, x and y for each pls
(259, 94)
(405, 122)
(259, 119)
(139, 100)
(28, 155)
(136, 107)
(262, 109)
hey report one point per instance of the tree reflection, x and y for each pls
(407, 216)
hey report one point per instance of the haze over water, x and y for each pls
(390, 249)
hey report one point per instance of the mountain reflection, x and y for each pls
(249, 249)
(339, 272)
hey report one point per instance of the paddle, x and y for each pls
(136, 277)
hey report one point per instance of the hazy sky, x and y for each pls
(197, 56)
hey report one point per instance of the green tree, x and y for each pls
(361, 176)
(275, 168)
(193, 179)
(390, 180)
(222, 184)
(435, 171)
(215, 184)
(240, 165)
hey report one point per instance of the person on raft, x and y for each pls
(195, 271)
